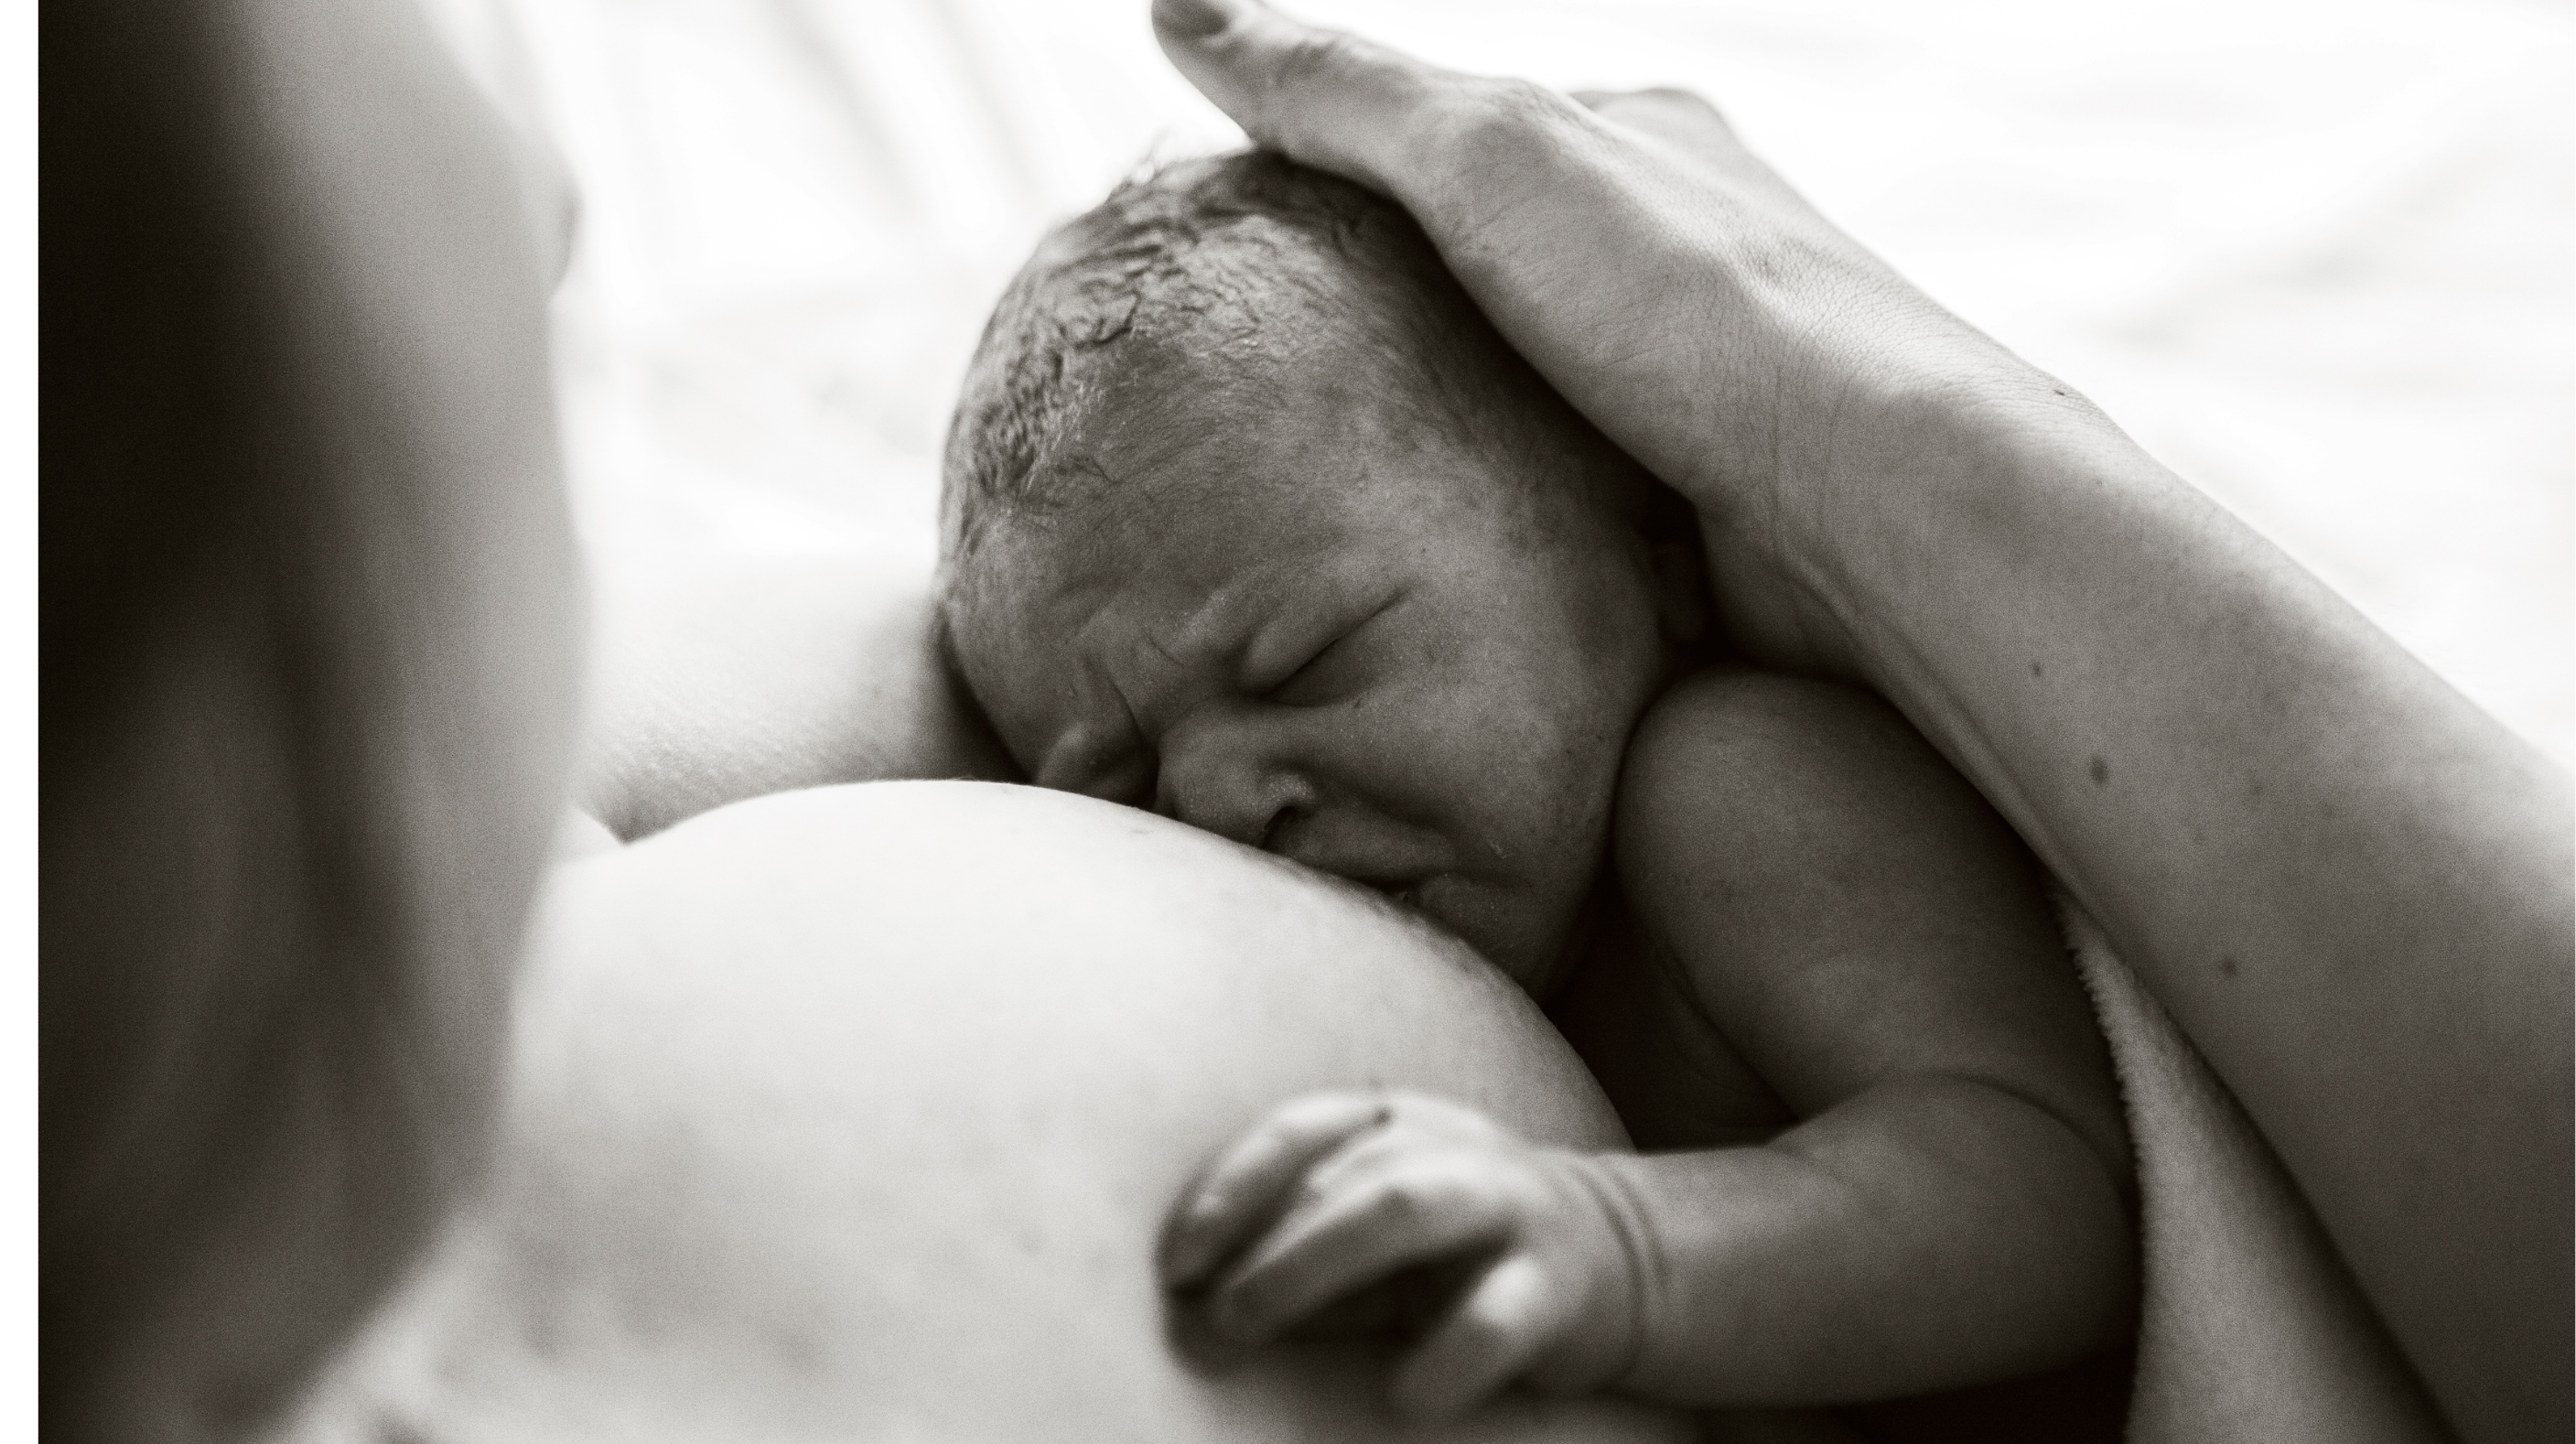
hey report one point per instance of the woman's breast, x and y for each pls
(856, 1112)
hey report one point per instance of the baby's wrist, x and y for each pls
(1623, 1284)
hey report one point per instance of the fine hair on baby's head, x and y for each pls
(1193, 291)
(1251, 518)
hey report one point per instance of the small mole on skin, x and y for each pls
(2101, 772)
(2254, 789)
(2037, 670)
(2227, 967)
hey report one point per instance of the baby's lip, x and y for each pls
(1408, 893)
(1394, 861)
(1461, 906)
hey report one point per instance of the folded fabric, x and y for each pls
(2250, 1327)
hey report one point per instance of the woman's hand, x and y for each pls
(2348, 884)
(1667, 282)
(1335, 1194)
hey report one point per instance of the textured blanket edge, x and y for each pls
(2250, 1327)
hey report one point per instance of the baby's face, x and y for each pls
(1347, 643)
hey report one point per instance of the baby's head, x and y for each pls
(1251, 519)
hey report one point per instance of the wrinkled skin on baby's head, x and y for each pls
(1307, 571)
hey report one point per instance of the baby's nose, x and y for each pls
(1230, 790)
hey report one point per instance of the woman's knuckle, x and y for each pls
(1514, 97)
(1681, 95)
(1491, 119)
(1495, 110)
(1315, 57)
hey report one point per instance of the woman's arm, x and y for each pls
(2349, 885)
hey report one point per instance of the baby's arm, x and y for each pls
(1869, 937)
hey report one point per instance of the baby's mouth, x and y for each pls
(1436, 898)
(1490, 917)
(1406, 895)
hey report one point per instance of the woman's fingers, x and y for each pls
(1684, 117)
(1323, 97)
(1659, 275)
(1497, 1331)
(1685, 122)
(1244, 1190)
(1597, 249)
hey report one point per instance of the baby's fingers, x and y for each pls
(1362, 1230)
(1496, 1333)
(1242, 1191)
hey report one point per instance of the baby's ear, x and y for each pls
(1678, 568)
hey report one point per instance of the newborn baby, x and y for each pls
(1251, 519)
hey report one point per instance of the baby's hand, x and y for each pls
(1336, 1192)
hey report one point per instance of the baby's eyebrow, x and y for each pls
(1155, 679)
(1110, 727)
(1223, 626)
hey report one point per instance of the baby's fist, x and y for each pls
(1336, 1192)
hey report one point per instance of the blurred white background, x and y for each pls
(2314, 256)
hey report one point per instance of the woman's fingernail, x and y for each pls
(1196, 19)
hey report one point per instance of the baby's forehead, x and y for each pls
(1145, 552)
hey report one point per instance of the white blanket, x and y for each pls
(2312, 253)
(2250, 1328)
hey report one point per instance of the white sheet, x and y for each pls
(2314, 255)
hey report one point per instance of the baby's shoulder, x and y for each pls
(1728, 738)
(1749, 780)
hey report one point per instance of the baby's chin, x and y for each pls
(1525, 936)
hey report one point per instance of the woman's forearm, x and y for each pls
(1927, 1235)
(2350, 885)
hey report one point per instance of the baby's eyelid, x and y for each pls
(1316, 656)
(1276, 692)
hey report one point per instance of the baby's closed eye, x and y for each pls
(1328, 676)
(1320, 667)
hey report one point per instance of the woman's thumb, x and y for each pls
(1322, 97)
